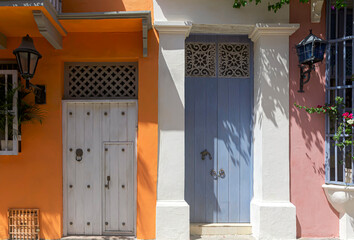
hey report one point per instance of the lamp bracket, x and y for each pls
(305, 74)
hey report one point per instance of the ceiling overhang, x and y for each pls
(40, 19)
(134, 21)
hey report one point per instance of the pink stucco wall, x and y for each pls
(314, 214)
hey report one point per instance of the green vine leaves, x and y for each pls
(280, 3)
(344, 122)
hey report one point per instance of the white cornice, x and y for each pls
(170, 27)
(265, 29)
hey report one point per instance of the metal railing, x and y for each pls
(339, 71)
(56, 4)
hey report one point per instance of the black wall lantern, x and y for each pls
(27, 59)
(310, 51)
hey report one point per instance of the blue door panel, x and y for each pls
(219, 120)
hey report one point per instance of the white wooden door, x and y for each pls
(99, 141)
(118, 165)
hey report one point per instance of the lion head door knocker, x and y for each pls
(79, 154)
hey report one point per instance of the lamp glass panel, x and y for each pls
(33, 63)
(24, 61)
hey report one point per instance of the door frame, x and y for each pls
(65, 103)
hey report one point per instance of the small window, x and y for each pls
(8, 112)
(339, 83)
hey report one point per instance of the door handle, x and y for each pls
(216, 175)
(222, 173)
(108, 180)
(213, 173)
(206, 153)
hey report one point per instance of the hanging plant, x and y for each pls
(344, 122)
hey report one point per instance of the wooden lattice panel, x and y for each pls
(101, 80)
(23, 224)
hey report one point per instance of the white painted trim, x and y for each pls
(65, 102)
(316, 10)
(3, 41)
(47, 29)
(239, 29)
(280, 29)
(100, 101)
(168, 27)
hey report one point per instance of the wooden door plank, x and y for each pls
(80, 171)
(115, 127)
(223, 155)
(105, 123)
(71, 171)
(200, 173)
(131, 122)
(246, 188)
(97, 168)
(233, 145)
(211, 133)
(125, 197)
(89, 171)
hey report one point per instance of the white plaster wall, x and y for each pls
(271, 117)
(172, 212)
(171, 117)
(217, 12)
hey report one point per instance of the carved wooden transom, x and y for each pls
(227, 60)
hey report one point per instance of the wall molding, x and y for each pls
(168, 27)
(265, 29)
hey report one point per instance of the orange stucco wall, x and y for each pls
(33, 179)
(106, 5)
(315, 216)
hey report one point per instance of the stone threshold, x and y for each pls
(98, 238)
(203, 229)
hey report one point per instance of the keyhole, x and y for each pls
(105, 113)
(123, 113)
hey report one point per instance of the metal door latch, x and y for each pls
(108, 180)
(205, 153)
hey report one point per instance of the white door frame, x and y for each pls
(65, 103)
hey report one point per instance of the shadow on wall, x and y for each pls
(274, 100)
(312, 126)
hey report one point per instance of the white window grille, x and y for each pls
(101, 80)
(8, 112)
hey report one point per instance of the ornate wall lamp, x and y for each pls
(310, 51)
(27, 59)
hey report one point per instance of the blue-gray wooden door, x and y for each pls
(219, 103)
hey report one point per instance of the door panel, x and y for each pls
(119, 197)
(94, 127)
(219, 120)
